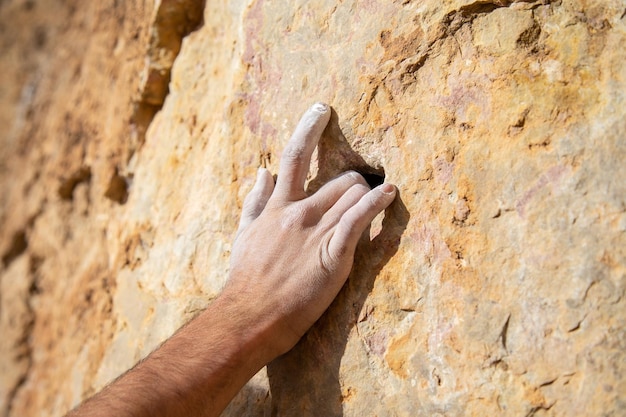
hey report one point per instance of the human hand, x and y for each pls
(293, 252)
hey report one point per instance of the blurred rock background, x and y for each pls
(131, 131)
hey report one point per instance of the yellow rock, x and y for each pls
(493, 286)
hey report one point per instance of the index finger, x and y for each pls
(296, 158)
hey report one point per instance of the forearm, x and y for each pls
(196, 372)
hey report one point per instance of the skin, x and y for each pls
(291, 256)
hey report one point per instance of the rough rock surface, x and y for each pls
(493, 286)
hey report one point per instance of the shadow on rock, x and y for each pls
(305, 381)
(335, 156)
(251, 401)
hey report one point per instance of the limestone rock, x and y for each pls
(494, 285)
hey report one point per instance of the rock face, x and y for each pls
(493, 286)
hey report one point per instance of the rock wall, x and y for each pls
(493, 286)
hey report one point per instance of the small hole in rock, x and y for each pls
(118, 189)
(374, 180)
(18, 246)
(67, 187)
(373, 176)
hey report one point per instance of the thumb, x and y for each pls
(256, 199)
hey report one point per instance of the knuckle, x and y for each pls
(341, 251)
(356, 178)
(328, 257)
(293, 217)
(250, 197)
(347, 222)
(360, 189)
(294, 154)
(252, 209)
(374, 200)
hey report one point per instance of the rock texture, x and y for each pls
(493, 286)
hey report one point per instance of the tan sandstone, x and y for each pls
(494, 285)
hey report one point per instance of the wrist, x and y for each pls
(256, 323)
(239, 323)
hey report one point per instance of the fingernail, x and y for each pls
(320, 107)
(387, 188)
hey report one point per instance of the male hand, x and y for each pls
(293, 252)
(290, 258)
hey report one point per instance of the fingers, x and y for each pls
(256, 199)
(348, 199)
(296, 158)
(331, 192)
(354, 221)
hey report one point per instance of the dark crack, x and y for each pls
(504, 331)
(19, 241)
(117, 189)
(175, 19)
(68, 185)
(536, 409)
(423, 47)
(23, 346)
(18, 245)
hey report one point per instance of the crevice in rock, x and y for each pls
(504, 332)
(19, 241)
(472, 10)
(468, 13)
(174, 20)
(35, 287)
(528, 38)
(335, 155)
(543, 407)
(25, 354)
(118, 188)
(18, 245)
(412, 51)
(68, 185)
(24, 345)
(481, 7)
(374, 179)
(548, 383)
(425, 45)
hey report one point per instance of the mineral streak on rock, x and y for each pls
(493, 286)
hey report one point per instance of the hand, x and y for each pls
(293, 252)
(291, 256)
